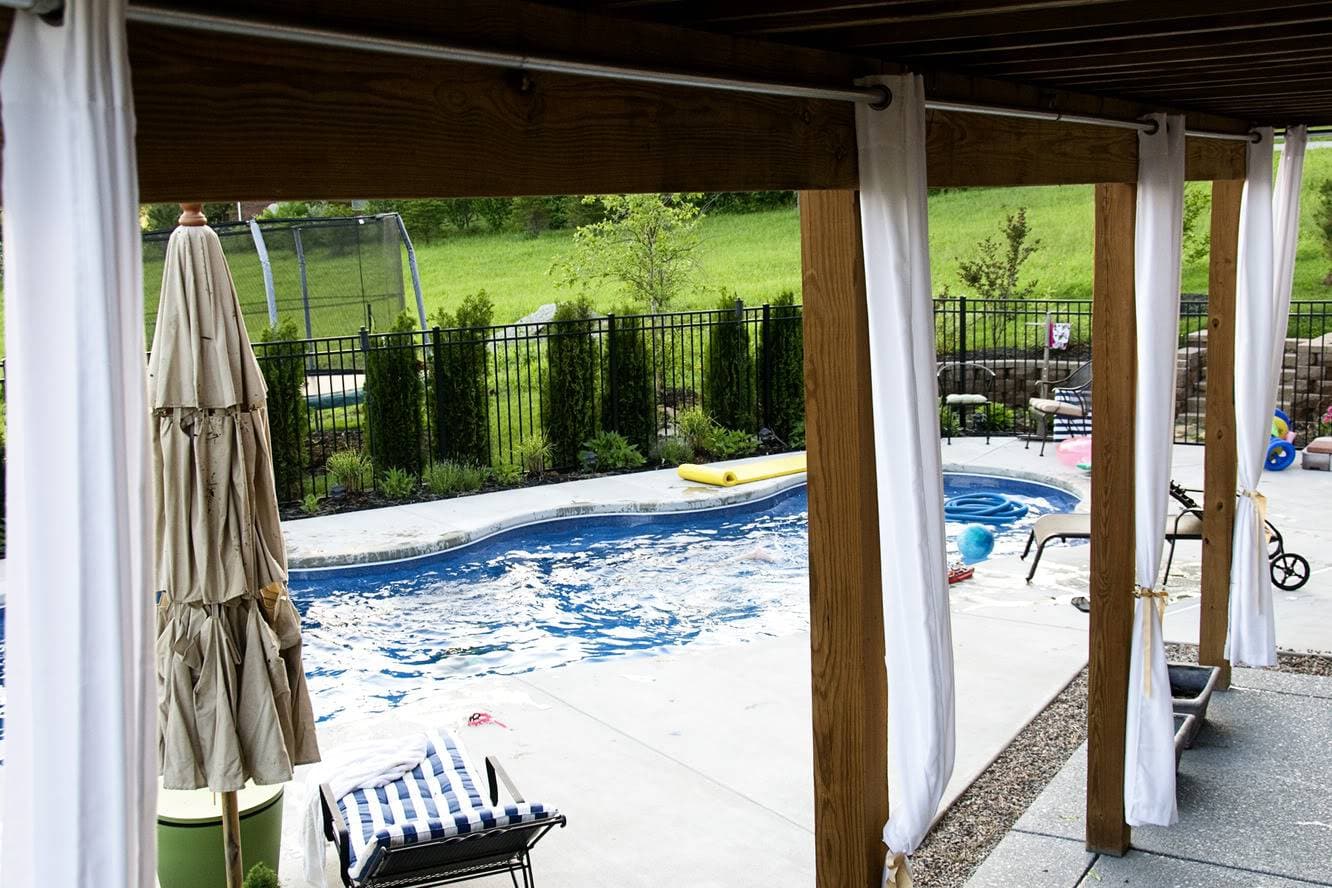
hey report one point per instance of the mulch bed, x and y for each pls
(986, 811)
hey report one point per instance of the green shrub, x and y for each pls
(728, 378)
(610, 452)
(397, 484)
(507, 474)
(731, 444)
(570, 399)
(261, 875)
(993, 418)
(393, 394)
(349, 468)
(949, 425)
(283, 366)
(449, 477)
(310, 504)
(534, 453)
(694, 427)
(626, 403)
(673, 451)
(783, 363)
(797, 439)
(459, 397)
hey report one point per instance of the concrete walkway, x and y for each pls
(1254, 806)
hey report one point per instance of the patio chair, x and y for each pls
(1071, 403)
(976, 382)
(431, 826)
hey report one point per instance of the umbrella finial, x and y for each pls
(192, 215)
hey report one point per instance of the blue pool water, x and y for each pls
(584, 588)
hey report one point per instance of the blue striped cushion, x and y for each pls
(439, 799)
(1072, 426)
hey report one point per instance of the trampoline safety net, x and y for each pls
(330, 275)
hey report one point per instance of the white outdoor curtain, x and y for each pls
(80, 763)
(1149, 749)
(1269, 230)
(917, 632)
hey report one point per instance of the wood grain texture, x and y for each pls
(1220, 460)
(850, 690)
(1112, 544)
(231, 840)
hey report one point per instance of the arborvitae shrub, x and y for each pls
(626, 403)
(728, 380)
(460, 402)
(784, 363)
(393, 397)
(570, 400)
(282, 363)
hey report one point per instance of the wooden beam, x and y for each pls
(850, 689)
(1220, 460)
(1112, 545)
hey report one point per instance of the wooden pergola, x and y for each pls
(278, 119)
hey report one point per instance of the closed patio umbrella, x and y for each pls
(232, 699)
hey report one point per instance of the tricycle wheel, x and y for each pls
(1290, 571)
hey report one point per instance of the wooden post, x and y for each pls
(850, 688)
(1112, 546)
(1220, 469)
(231, 839)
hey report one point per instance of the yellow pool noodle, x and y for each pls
(722, 475)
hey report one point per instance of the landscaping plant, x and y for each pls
(570, 399)
(1323, 219)
(673, 451)
(783, 360)
(507, 474)
(534, 453)
(626, 403)
(393, 396)
(442, 478)
(694, 428)
(310, 504)
(349, 469)
(731, 444)
(610, 452)
(397, 484)
(728, 379)
(282, 363)
(996, 274)
(261, 875)
(459, 396)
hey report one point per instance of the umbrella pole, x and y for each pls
(231, 840)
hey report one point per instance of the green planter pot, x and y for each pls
(189, 834)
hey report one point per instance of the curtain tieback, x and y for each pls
(1159, 597)
(896, 871)
(1261, 535)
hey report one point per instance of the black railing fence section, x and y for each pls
(482, 395)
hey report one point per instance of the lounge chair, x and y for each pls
(431, 827)
(1071, 404)
(1187, 524)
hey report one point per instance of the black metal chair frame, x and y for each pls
(486, 852)
(1079, 384)
(984, 373)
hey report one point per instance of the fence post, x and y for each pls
(437, 360)
(610, 374)
(960, 358)
(765, 367)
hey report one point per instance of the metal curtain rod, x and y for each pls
(874, 96)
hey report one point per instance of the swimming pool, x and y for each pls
(574, 589)
(577, 589)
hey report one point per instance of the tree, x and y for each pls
(783, 357)
(462, 410)
(162, 217)
(393, 397)
(626, 402)
(1323, 218)
(282, 362)
(996, 276)
(1197, 208)
(460, 212)
(646, 242)
(494, 211)
(570, 399)
(729, 392)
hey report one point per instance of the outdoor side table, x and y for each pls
(189, 834)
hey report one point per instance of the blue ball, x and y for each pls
(975, 542)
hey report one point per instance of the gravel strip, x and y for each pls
(985, 812)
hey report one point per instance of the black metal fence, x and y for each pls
(1009, 339)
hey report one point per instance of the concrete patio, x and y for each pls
(705, 735)
(1254, 808)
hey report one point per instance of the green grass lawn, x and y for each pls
(756, 256)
